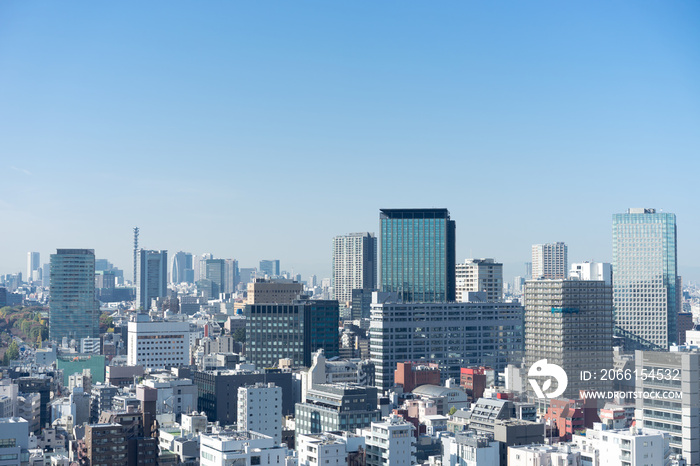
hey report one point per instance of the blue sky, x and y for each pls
(262, 129)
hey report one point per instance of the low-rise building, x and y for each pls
(469, 449)
(633, 446)
(334, 407)
(330, 448)
(390, 442)
(240, 448)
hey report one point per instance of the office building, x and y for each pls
(417, 254)
(570, 323)
(479, 275)
(270, 268)
(452, 335)
(549, 261)
(151, 277)
(646, 289)
(242, 448)
(215, 270)
(672, 382)
(390, 443)
(600, 271)
(199, 265)
(260, 410)
(292, 331)
(157, 344)
(14, 441)
(354, 265)
(217, 391)
(334, 407)
(278, 291)
(231, 276)
(181, 268)
(74, 313)
(33, 266)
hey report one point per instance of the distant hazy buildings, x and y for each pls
(647, 294)
(549, 261)
(33, 266)
(181, 268)
(151, 277)
(570, 323)
(485, 275)
(592, 271)
(270, 267)
(73, 310)
(417, 254)
(354, 265)
(215, 270)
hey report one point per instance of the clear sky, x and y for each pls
(259, 130)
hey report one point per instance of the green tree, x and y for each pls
(12, 351)
(452, 411)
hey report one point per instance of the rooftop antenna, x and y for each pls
(136, 250)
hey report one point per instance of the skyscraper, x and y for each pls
(33, 265)
(646, 291)
(231, 276)
(549, 261)
(270, 267)
(354, 265)
(570, 323)
(151, 277)
(181, 269)
(417, 254)
(215, 270)
(485, 275)
(73, 310)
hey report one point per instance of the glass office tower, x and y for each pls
(646, 285)
(417, 254)
(73, 310)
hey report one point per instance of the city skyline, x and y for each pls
(260, 114)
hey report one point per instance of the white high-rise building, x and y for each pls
(33, 266)
(390, 443)
(354, 265)
(600, 271)
(260, 410)
(671, 383)
(158, 344)
(549, 261)
(484, 275)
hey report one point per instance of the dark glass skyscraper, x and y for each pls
(646, 285)
(417, 254)
(73, 310)
(152, 277)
